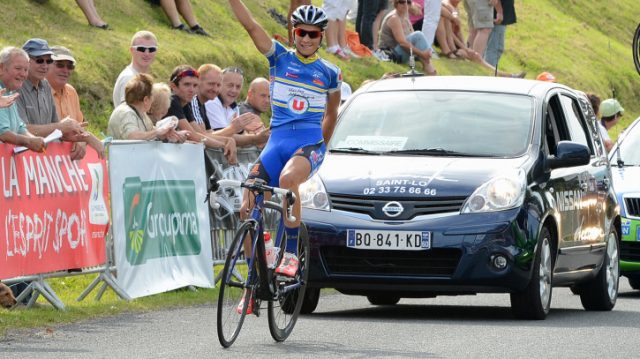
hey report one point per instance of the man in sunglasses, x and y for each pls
(305, 95)
(143, 49)
(36, 105)
(66, 97)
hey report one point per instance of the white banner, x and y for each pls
(160, 220)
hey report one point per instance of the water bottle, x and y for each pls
(270, 252)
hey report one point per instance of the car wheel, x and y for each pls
(310, 302)
(535, 301)
(601, 292)
(383, 299)
(634, 283)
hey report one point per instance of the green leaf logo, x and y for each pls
(136, 237)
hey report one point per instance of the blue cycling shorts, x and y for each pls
(284, 143)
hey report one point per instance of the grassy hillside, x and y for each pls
(585, 43)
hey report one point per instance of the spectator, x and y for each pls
(292, 6)
(258, 98)
(223, 112)
(480, 20)
(14, 64)
(184, 85)
(36, 104)
(397, 37)
(368, 19)
(495, 44)
(208, 89)
(451, 40)
(432, 12)
(611, 114)
(174, 8)
(129, 121)
(143, 51)
(66, 98)
(90, 12)
(336, 11)
(160, 102)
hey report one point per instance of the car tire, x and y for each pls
(601, 293)
(634, 283)
(383, 299)
(310, 302)
(534, 302)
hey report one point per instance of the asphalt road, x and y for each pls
(348, 327)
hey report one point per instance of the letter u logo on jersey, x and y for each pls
(298, 105)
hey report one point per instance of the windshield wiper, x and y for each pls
(359, 150)
(435, 151)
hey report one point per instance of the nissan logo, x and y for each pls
(393, 209)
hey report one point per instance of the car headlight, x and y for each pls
(313, 195)
(500, 193)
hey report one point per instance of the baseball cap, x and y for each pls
(37, 47)
(345, 91)
(546, 76)
(610, 107)
(61, 53)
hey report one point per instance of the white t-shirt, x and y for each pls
(603, 132)
(118, 89)
(219, 116)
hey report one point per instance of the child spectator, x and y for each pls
(336, 11)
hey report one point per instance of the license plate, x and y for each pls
(389, 240)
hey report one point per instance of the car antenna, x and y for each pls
(613, 89)
(619, 160)
(412, 65)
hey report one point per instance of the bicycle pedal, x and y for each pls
(285, 279)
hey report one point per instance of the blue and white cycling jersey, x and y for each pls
(299, 86)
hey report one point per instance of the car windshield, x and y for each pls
(443, 123)
(629, 145)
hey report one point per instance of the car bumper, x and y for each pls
(630, 246)
(459, 261)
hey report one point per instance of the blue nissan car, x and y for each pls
(462, 185)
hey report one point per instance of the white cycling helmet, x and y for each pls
(309, 15)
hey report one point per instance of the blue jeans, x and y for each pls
(495, 45)
(417, 39)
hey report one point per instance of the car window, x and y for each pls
(578, 129)
(629, 145)
(481, 124)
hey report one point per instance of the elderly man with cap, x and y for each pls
(611, 112)
(66, 98)
(36, 105)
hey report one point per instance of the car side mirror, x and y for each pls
(569, 154)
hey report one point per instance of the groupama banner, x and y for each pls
(53, 213)
(160, 219)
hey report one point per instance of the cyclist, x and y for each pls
(305, 95)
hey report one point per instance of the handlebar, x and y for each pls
(215, 184)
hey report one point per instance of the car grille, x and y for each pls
(630, 251)
(632, 206)
(437, 262)
(412, 206)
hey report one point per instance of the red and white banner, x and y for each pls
(53, 211)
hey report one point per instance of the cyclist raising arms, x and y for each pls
(305, 95)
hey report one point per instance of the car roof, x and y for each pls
(464, 83)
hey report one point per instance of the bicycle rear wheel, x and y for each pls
(233, 286)
(636, 49)
(284, 311)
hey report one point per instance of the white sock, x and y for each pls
(333, 49)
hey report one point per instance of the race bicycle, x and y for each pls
(250, 280)
(636, 48)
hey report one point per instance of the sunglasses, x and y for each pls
(68, 65)
(183, 74)
(402, 2)
(313, 34)
(235, 70)
(41, 61)
(151, 49)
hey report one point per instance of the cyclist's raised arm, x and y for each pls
(259, 36)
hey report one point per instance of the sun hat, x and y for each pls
(61, 53)
(610, 107)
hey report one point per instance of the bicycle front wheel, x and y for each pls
(285, 309)
(636, 49)
(234, 288)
